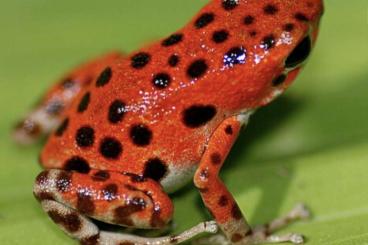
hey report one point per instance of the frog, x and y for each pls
(128, 130)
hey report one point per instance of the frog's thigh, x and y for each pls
(69, 197)
(221, 203)
(108, 196)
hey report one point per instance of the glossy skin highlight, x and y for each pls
(170, 112)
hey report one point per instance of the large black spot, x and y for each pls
(155, 169)
(61, 129)
(110, 148)
(198, 115)
(235, 56)
(220, 36)
(172, 40)
(104, 77)
(161, 80)
(85, 136)
(173, 60)
(83, 104)
(140, 60)
(116, 111)
(229, 4)
(299, 54)
(141, 135)
(204, 20)
(268, 42)
(77, 164)
(197, 68)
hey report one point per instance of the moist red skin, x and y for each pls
(231, 90)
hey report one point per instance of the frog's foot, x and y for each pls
(263, 234)
(70, 198)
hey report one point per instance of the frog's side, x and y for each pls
(169, 112)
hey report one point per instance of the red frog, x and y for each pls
(128, 130)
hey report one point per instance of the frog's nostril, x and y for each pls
(299, 54)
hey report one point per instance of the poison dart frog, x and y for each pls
(127, 130)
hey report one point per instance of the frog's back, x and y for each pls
(153, 113)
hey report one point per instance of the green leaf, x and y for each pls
(310, 145)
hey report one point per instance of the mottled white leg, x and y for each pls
(83, 229)
(263, 234)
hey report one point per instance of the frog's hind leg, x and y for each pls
(70, 198)
(221, 203)
(47, 114)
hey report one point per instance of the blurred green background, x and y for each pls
(310, 145)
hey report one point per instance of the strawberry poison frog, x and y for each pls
(127, 130)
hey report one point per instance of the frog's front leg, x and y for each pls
(69, 198)
(221, 203)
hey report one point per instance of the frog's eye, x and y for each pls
(299, 54)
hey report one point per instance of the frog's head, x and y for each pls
(276, 42)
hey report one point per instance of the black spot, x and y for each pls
(279, 80)
(116, 111)
(61, 129)
(161, 80)
(41, 196)
(85, 203)
(141, 135)
(270, 9)
(197, 68)
(235, 56)
(220, 36)
(111, 148)
(83, 104)
(236, 212)
(198, 115)
(155, 169)
(223, 201)
(289, 27)
(122, 214)
(299, 54)
(92, 240)
(64, 181)
(173, 60)
(42, 178)
(140, 60)
(229, 130)
(248, 20)
(204, 20)
(110, 192)
(77, 164)
(70, 222)
(104, 77)
(172, 40)
(101, 175)
(229, 4)
(216, 158)
(268, 42)
(301, 17)
(85, 136)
